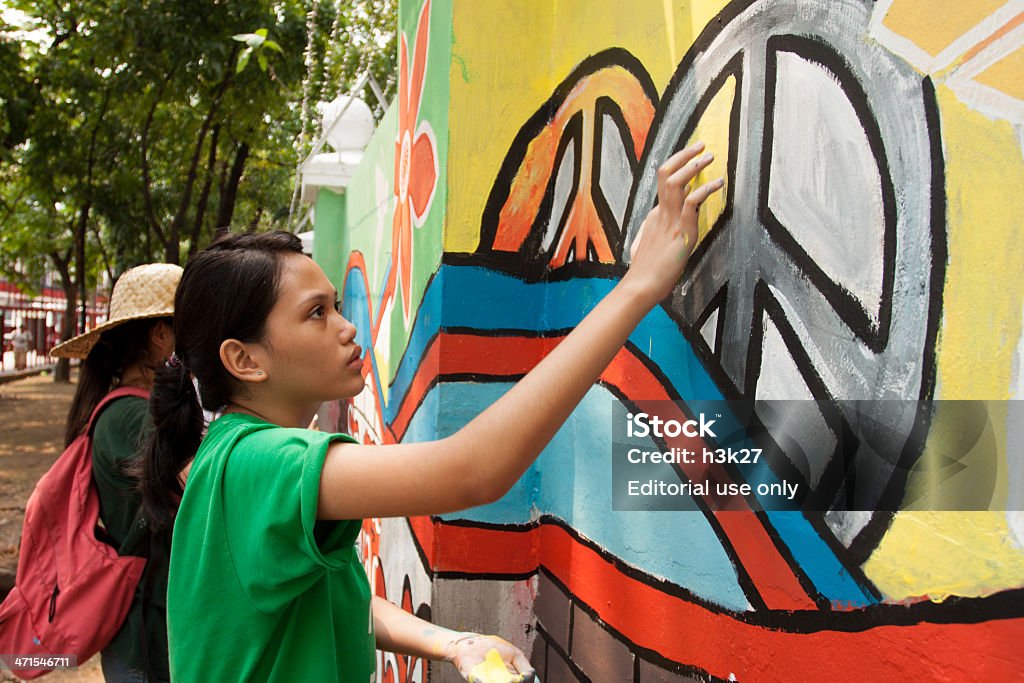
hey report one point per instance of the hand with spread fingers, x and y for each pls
(668, 234)
(488, 659)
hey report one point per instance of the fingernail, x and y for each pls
(719, 183)
(708, 157)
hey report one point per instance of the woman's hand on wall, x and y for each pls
(669, 232)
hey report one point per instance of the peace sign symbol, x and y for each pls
(822, 277)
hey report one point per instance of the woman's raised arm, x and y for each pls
(479, 463)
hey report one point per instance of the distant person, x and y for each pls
(52, 338)
(126, 351)
(265, 584)
(21, 344)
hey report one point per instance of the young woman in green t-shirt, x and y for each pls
(263, 572)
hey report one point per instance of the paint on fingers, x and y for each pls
(492, 670)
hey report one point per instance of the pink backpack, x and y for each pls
(72, 591)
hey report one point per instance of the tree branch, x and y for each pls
(147, 192)
(229, 193)
(190, 179)
(204, 195)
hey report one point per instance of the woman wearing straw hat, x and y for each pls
(125, 351)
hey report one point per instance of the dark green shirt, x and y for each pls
(116, 438)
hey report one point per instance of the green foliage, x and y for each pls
(255, 43)
(134, 131)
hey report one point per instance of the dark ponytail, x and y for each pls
(177, 430)
(226, 292)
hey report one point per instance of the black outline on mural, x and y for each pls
(529, 265)
(871, 535)
(940, 253)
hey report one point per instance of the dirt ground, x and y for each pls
(32, 413)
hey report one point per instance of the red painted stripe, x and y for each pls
(722, 645)
(467, 550)
(719, 643)
(423, 529)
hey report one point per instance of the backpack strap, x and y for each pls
(120, 392)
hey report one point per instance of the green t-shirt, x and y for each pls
(258, 589)
(116, 436)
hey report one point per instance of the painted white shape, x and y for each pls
(825, 186)
(787, 407)
(987, 100)
(780, 379)
(616, 176)
(709, 330)
(924, 62)
(561, 198)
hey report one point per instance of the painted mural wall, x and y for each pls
(864, 252)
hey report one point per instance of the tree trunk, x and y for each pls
(226, 209)
(83, 221)
(204, 194)
(62, 263)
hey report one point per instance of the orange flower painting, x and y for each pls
(416, 165)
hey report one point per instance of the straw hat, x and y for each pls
(142, 292)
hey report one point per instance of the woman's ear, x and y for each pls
(239, 359)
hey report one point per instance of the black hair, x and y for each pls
(117, 349)
(226, 292)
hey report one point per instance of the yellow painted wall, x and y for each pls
(934, 24)
(946, 553)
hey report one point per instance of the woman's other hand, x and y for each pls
(488, 659)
